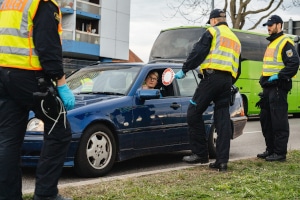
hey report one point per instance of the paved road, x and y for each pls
(245, 146)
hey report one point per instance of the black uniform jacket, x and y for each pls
(47, 40)
(201, 50)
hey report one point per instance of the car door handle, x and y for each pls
(175, 105)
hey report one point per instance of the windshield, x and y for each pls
(102, 80)
(175, 43)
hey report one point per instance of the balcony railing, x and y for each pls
(66, 3)
(87, 37)
(88, 7)
(67, 34)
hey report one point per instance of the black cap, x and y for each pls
(274, 19)
(216, 13)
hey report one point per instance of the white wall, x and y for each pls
(114, 29)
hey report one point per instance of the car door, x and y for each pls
(186, 89)
(158, 120)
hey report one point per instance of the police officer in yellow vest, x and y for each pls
(218, 54)
(281, 63)
(32, 78)
(87, 85)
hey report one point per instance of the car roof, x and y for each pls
(139, 65)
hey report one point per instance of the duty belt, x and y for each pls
(209, 72)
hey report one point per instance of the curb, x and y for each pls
(126, 176)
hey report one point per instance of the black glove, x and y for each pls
(200, 76)
(259, 104)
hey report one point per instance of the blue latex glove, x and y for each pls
(67, 96)
(193, 102)
(179, 75)
(273, 78)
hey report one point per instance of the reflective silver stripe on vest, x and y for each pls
(224, 63)
(24, 23)
(12, 31)
(271, 70)
(18, 51)
(22, 32)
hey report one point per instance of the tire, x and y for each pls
(245, 104)
(212, 137)
(296, 115)
(96, 152)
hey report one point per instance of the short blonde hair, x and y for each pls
(155, 73)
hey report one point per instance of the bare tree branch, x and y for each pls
(296, 3)
(186, 7)
(262, 9)
(238, 10)
(265, 16)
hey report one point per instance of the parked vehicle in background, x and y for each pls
(115, 120)
(174, 45)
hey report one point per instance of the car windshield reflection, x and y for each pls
(108, 81)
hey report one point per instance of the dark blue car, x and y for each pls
(115, 120)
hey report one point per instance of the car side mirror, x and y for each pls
(148, 94)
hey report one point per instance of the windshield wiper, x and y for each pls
(108, 93)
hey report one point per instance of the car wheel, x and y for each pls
(96, 152)
(212, 138)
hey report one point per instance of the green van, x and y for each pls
(174, 45)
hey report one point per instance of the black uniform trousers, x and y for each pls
(213, 87)
(16, 100)
(274, 119)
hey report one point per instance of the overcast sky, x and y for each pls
(148, 17)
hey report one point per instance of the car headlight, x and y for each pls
(35, 125)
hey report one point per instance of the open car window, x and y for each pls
(165, 91)
(181, 87)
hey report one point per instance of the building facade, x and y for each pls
(95, 30)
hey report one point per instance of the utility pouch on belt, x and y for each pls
(48, 98)
(260, 103)
(234, 90)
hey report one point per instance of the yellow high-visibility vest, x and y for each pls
(272, 62)
(87, 85)
(224, 52)
(17, 47)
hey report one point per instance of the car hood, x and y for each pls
(87, 99)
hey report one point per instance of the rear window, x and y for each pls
(178, 43)
(253, 46)
(175, 43)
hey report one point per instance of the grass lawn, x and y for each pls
(245, 179)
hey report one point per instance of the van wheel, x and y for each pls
(96, 152)
(245, 104)
(296, 115)
(212, 138)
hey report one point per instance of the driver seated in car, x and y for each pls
(151, 80)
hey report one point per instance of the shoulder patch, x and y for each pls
(56, 15)
(289, 53)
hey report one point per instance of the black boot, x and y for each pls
(276, 157)
(194, 158)
(56, 197)
(264, 154)
(221, 167)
